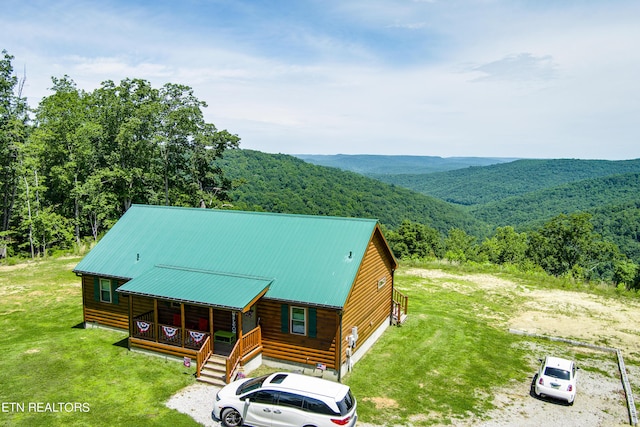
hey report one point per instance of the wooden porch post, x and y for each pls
(211, 327)
(130, 320)
(155, 319)
(239, 323)
(182, 322)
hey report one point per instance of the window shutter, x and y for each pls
(312, 322)
(114, 294)
(284, 318)
(96, 289)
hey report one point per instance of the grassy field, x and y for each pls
(62, 374)
(451, 345)
(441, 365)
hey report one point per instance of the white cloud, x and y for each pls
(486, 78)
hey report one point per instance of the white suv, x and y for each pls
(285, 399)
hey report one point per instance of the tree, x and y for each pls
(188, 146)
(415, 240)
(128, 114)
(14, 129)
(506, 246)
(626, 273)
(66, 138)
(564, 244)
(460, 246)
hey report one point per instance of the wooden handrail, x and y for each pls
(400, 306)
(203, 355)
(401, 300)
(148, 333)
(249, 342)
(174, 340)
(233, 360)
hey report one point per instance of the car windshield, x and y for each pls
(251, 384)
(560, 374)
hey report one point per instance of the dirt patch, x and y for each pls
(584, 317)
(382, 402)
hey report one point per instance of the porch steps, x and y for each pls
(400, 321)
(214, 371)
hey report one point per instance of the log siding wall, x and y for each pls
(297, 348)
(369, 305)
(115, 315)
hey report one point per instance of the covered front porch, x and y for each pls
(171, 320)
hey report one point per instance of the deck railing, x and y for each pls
(233, 360)
(400, 306)
(249, 342)
(194, 338)
(170, 334)
(144, 327)
(203, 355)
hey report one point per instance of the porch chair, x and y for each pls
(203, 324)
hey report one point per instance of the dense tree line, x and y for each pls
(417, 226)
(284, 183)
(477, 186)
(565, 246)
(76, 162)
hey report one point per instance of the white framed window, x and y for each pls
(298, 318)
(105, 290)
(382, 282)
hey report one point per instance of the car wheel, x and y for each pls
(231, 418)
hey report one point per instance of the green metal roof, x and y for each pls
(310, 259)
(208, 287)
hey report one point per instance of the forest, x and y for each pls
(73, 164)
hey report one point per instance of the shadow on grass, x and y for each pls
(124, 343)
(532, 393)
(78, 326)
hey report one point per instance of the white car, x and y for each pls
(557, 379)
(285, 399)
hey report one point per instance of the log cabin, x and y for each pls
(234, 289)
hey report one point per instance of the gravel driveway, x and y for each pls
(600, 402)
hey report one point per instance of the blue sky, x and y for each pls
(488, 78)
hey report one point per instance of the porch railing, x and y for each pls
(170, 334)
(400, 306)
(249, 342)
(144, 327)
(203, 355)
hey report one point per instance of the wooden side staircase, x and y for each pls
(400, 307)
(214, 371)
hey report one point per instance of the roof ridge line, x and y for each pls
(262, 213)
(219, 273)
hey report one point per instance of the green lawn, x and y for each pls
(53, 372)
(440, 365)
(442, 362)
